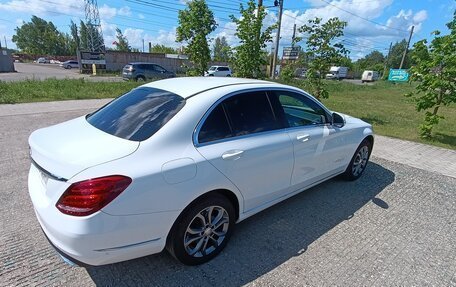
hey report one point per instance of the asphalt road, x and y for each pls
(44, 71)
(394, 226)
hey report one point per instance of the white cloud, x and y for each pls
(360, 35)
(43, 8)
(141, 16)
(420, 16)
(107, 12)
(124, 11)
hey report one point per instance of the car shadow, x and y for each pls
(260, 243)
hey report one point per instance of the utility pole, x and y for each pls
(276, 50)
(406, 48)
(387, 59)
(143, 45)
(293, 38)
(260, 3)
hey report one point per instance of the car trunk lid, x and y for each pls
(65, 149)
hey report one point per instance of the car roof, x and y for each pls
(189, 86)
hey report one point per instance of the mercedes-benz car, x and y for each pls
(176, 163)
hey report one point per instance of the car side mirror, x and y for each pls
(338, 120)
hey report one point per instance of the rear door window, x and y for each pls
(159, 68)
(215, 126)
(241, 114)
(138, 114)
(250, 113)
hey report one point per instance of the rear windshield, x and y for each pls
(138, 114)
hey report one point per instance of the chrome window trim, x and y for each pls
(268, 91)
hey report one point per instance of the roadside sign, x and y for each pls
(398, 75)
(291, 53)
(90, 58)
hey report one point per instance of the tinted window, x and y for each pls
(138, 114)
(223, 69)
(215, 127)
(159, 68)
(300, 110)
(250, 113)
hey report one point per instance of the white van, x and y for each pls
(337, 73)
(369, 76)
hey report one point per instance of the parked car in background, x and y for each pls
(337, 73)
(141, 71)
(42, 60)
(70, 64)
(369, 76)
(218, 71)
(176, 163)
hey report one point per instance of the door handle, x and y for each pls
(303, 138)
(232, 154)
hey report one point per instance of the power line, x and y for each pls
(361, 17)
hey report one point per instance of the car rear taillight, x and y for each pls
(89, 196)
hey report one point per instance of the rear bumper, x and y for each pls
(99, 238)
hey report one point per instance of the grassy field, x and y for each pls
(382, 104)
(57, 90)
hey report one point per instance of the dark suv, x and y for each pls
(141, 71)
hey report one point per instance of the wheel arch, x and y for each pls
(370, 139)
(228, 194)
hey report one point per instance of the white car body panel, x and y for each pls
(67, 148)
(254, 153)
(170, 170)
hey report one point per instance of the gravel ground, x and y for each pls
(394, 226)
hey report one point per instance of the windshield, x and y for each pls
(138, 114)
(212, 68)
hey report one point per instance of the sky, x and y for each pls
(372, 24)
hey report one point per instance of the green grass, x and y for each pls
(56, 90)
(382, 104)
(385, 107)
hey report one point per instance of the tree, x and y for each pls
(249, 56)
(121, 42)
(83, 45)
(157, 48)
(196, 22)
(374, 61)
(84, 30)
(221, 50)
(323, 51)
(74, 34)
(397, 51)
(435, 72)
(41, 38)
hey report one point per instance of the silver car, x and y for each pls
(70, 64)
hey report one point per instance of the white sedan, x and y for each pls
(176, 163)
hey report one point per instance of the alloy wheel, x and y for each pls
(360, 162)
(206, 231)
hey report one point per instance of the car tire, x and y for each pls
(211, 75)
(68, 67)
(194, 239)
(359, 161)
(228, 75)
(140, 79)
